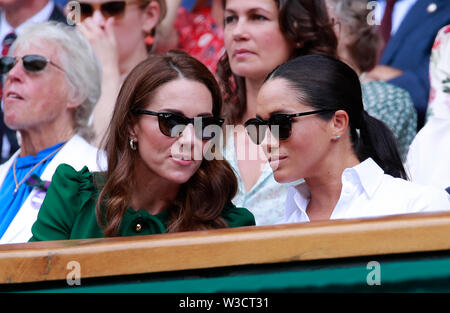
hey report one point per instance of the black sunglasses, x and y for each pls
(108, 9)
(282, 121)
(31, 63)
(173, 124)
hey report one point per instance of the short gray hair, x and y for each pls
(364, 38)
(84, 73)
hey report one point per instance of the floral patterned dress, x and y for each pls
(392, 105)
(428, 159)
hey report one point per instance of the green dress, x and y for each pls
(68, 211)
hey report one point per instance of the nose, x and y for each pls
(188, 137)
(239, 31)
(98, 18)
(270, 142)
(16, 73)
(189, 144)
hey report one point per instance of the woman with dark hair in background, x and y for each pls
(155, 182)
(318, 130)
(260, 35)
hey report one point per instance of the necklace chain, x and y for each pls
(18, 184)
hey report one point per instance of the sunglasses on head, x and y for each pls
(173, 124)
(256, 127)
(108, 9)
(31, 63)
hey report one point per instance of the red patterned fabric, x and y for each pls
(200, 36)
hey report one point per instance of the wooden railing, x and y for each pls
(42, 261)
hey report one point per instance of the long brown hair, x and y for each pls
(305, 24)
(199, 202)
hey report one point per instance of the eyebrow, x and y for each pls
(274, 113)
(250, 11)
(181, 113)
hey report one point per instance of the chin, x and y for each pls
(247, 70)
(284, 177)
(179, 178)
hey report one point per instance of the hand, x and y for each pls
(103, 42)
(383, 72)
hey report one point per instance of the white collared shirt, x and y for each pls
(368, 192)
(41, 16)
(401, 9)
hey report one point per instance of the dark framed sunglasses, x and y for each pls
(31, 63)
(173, 124)
(108, 9)
(256, 127)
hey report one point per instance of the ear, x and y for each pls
(339, 124)
(73, 100)
(151, 15)
(133, 131)
(72, 104)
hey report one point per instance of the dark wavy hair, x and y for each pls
(324, 82)
(304, 22)
(199, 202)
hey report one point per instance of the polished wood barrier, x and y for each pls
(41, 261)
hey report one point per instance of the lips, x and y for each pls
(275, 160)
(239, 53)
(182, 160)
(13, 95)
(182, 157)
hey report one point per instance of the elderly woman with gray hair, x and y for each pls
(359, 46)
(52, 82)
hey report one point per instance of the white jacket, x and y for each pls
(78, 153)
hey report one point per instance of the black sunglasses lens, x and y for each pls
(256, 130)
(34, 63)
(7, 63)
(280, 126)
(171, 125)
(211, 127)
(86, 10)
(113, 8)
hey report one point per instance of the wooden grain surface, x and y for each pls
(40, 261)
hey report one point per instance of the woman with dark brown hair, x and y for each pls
(259, 35)
(158, 178)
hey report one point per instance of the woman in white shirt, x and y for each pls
(318, 130)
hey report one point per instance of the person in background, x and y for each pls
(260, 35)
(156, 181)
(428, 158)
(52, 83)
(198, 32)
(14, 15)
(348, 159)
(122, 34)
(358, 46)
(409, 28)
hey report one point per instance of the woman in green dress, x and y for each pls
(159, 178)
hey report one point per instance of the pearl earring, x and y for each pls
(133, 144)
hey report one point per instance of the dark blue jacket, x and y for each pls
(410, 48)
